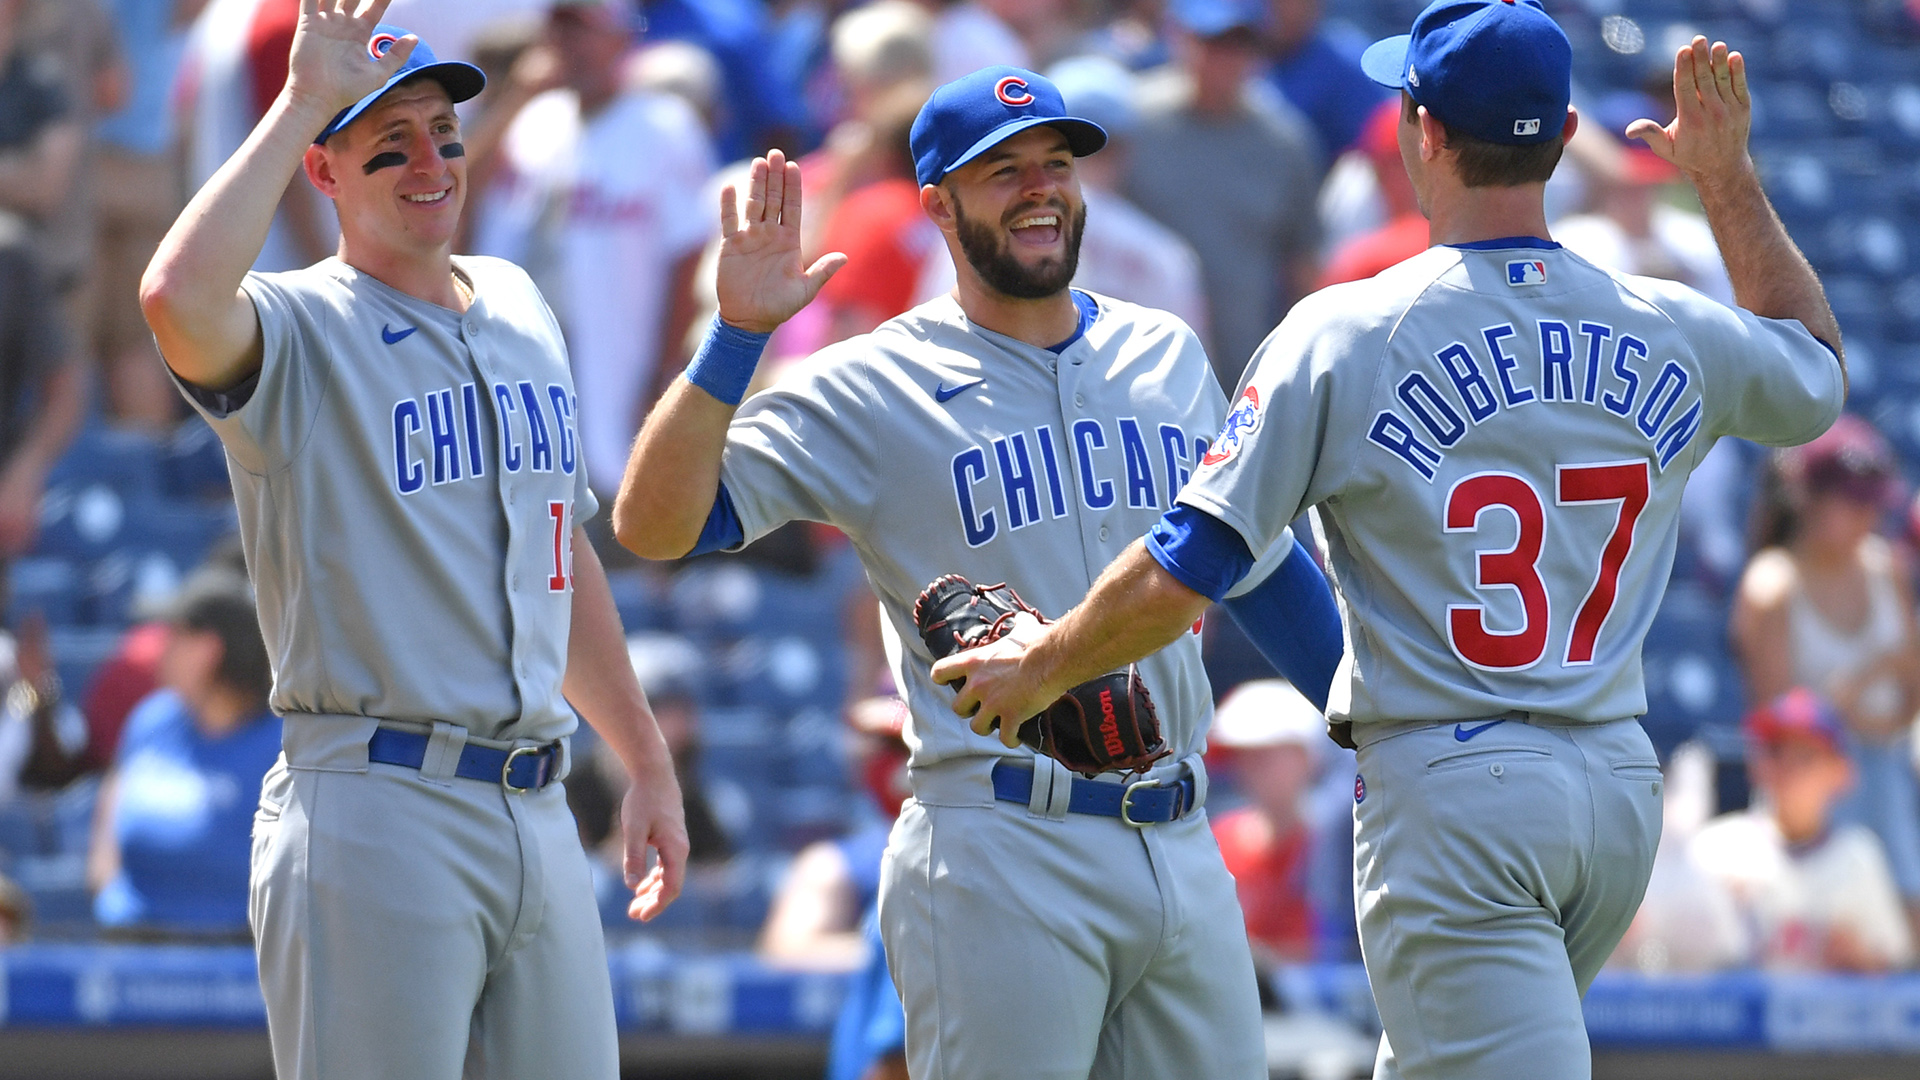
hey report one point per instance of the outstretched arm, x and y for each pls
(205, 325)
(673, 475)
(1708, 142)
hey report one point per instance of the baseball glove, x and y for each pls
(1102, 724)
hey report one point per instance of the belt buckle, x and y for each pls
(1126, 802)
(506, 770)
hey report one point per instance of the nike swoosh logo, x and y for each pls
(388, 335)
(944, 393)
(1463, 733)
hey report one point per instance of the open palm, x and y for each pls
(761, 282)
(332, 62)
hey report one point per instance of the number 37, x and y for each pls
(1518, 568)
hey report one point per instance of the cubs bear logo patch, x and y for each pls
(1242, 422)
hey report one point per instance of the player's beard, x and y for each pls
(989, 250)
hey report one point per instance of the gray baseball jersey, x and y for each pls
(408, 479)
(940, 447)
(1498, 437)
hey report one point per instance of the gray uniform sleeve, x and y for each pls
(805, 448)
(264, 420)
(1769, 380)
(1289, 439)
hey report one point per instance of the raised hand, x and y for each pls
(1713, 114)
(333, 64)
(761, 283)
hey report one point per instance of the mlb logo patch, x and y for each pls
(1527, 127)
(1526, 272)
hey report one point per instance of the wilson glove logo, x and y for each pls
(1012, 90)
(1110, 725)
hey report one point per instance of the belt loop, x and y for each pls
(443, 753)
(1197, 766)
(1052, 789)
(562, 758)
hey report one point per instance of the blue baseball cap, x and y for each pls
(970, 115)
(1499, 70)
(1213, 18)
(461, 80)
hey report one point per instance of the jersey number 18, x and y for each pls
(1518, 567)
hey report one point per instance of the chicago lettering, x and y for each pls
(437, 435)
(1025, 477)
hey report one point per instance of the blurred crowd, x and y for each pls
(1250, 163)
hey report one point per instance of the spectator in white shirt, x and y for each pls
(1816, 895)
(597, 192)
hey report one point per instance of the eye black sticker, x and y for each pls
(453, 150)
(381, 161)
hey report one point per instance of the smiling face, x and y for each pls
(1017, 214)
(397, 175)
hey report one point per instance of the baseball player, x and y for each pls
(399, 426)
(1020, 431)
(1496, 434)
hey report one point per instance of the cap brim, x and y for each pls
(1083, 137)
(1385, 61)
(461, 80)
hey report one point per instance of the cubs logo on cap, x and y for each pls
(461, 80)
(971, 114)
(1012, 90)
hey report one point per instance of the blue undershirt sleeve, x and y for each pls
(1201, 552)
(723, 529)
(1292, 619)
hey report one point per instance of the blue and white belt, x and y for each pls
(1139, 803)
(523, 768)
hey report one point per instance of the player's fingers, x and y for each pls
(1009, 734)
(776, 185)
(1737, 72)
(397, 55)
(309, 7)
(947, 669)
(1655, 136)
(729, 211)
(1686, 91)
(822, 271)
(1702, 51)
(756, 210)
(791, 215)
(374, 10)
(1722, 73)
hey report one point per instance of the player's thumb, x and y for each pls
(393, 58)
(822, 271)
(1654, 135)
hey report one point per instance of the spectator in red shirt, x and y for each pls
(1265, 736)
(1406, 232)
(882, 229)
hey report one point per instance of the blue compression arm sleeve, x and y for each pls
(723, 529)
(1290, 617)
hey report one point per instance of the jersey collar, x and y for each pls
(1506, 242)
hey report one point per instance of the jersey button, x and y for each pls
(472, 327)
(1103, 532)
(1080, 400)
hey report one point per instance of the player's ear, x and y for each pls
(1573, 125)
(318, 165)
(938, 205)
(1433, 135)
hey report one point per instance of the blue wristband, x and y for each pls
(724, 365)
